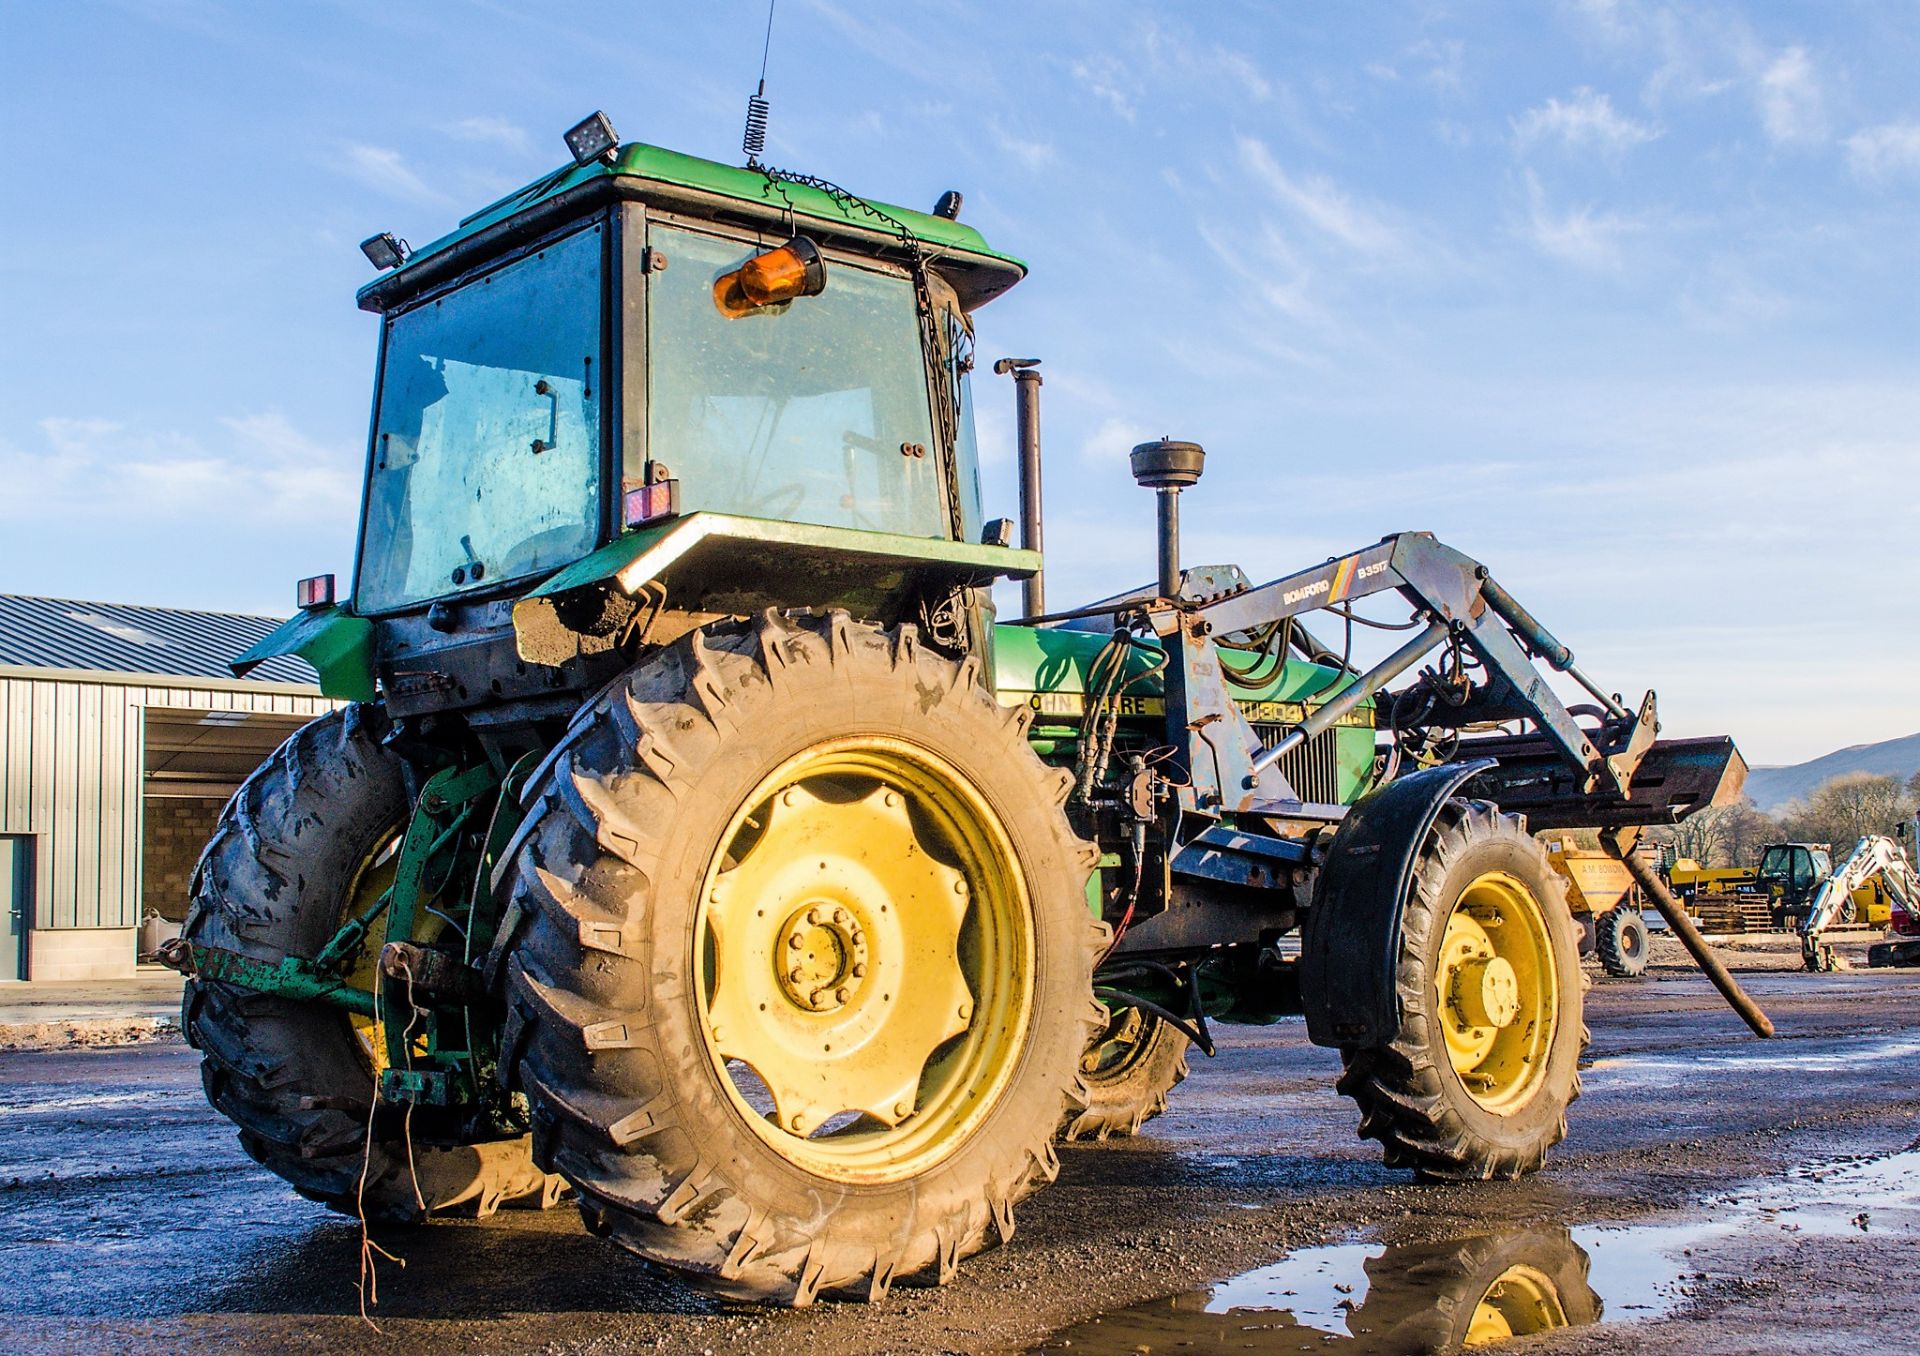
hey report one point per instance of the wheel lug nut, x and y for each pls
(959, 887)
(842, 995)
(840, 917)
(793, 975)
(859, 972)
(793, 1121)
(719, 1033)
(902, 1110)
(788, 796)
(794, 943)
(966, 1011)
(813, 917)
(891, 800)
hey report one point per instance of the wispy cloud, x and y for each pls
(1029, 154)
(1584, 120)
(1881, 152)
(385, 171)
(491, 131)
(267, 469)
(1582, 236)
(1791, 100)
(1107, 80)
(1445, 62)
(1158, 54)
(1324, 205)
(1113, 439)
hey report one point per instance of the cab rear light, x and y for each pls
(314, 592)
(650, 503)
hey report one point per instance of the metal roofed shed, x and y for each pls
(122, 733)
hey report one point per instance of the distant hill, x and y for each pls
(1772, 787)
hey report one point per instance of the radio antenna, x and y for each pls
(754, 140)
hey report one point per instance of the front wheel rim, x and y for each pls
(1497, 992)
(864, 946)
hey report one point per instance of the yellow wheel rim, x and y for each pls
(1524, 1300)
(1119, 1045)
(1497, 991)
(372, 880)
(866, 942)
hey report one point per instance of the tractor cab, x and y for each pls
(1790, 873)
(717, 383)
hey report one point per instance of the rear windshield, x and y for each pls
(486, 452)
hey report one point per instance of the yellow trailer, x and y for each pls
(1606, 903)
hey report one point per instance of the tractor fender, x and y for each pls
(1352, 944)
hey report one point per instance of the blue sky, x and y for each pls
(1619, 297)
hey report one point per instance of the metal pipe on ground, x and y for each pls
(1619, 845)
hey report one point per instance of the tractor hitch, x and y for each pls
(290, 977)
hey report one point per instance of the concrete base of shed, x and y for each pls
(80, 953)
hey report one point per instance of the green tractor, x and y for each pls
(694, 841)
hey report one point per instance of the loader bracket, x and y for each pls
(1352, 945)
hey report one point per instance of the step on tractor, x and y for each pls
(693, 840)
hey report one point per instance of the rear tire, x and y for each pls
(680, 781)
(276, 881)
(1449, 1098)
(1621, 941)
(1132, 1065)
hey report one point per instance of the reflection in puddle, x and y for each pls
(1484, 1287)
(1354, 1298)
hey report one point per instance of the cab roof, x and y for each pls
(706, 188)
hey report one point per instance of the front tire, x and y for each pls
(1477, 1080)
(875, 1104)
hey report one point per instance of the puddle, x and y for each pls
(1813, 1057)
(1481, 1288)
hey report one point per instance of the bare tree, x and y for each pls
(1724, 835)
(1842, 810)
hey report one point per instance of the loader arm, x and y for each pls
(1457, 604)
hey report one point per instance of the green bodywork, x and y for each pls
(1045, 669)
(689, 174)
(338, 644)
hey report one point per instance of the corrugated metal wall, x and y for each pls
(70, 774)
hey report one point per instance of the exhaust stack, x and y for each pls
(1026, 386)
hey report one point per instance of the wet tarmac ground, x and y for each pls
(1717, 1194)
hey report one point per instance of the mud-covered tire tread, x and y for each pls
(287, 1074)
(622, 1088)
(1120, 1103)
(1408, 1099)
(1617, 957)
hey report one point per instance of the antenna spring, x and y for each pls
(754, 140)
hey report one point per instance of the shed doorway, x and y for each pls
(16, 903)
(194, 762)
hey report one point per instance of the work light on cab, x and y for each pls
(592, 138)
(794, 270)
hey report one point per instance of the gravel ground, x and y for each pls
(1710, 1184)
